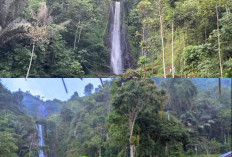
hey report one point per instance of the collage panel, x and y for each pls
(108, 38)
(104, 117)
(115, 78)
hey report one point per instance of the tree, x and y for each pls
(11, 25)
(40, 32)
(80, 13)
(211, 7)
(144, 10)
(192, 56)
(133, 97)
(172, 15)
(88, 89)
(143, 61)
(173, 71)
(160, 6)
(8, 145)
(74, 96)
(181, 92)
(209, 145)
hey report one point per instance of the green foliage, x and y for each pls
(82, 124)
(99, 124)
(195, 22)
(192, 56)
(67, 22)
(144, 8)
(8, 145)
(74, 48)
(16, 128)
(143, 60)
(181, 92)
(136, 94)
(88, 89)
(202, 60)
(228, 69)
(198, 62)
(133, 98)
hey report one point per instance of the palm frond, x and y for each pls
(14, 30)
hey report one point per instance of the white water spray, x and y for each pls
(41, 141)
(116, 53)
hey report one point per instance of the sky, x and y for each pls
(50, 88)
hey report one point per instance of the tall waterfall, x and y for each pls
(41, 140)
(116, 52)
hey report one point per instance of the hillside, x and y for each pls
(34, 106)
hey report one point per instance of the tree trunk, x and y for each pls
(162, 40)
(181, 68)
(152, 67)
(205, 34)
(173, 71)
(183, 62)
(131, 125)
(101, 82)
(79, 38)
(227, 10)
(219, 42)
(65, 87)
(100, 152)
(225, 138)
(32, 54)
(145, 71)
(166, 149)
(187, 41)
(184, 39)
(143, 40)
(185, 75)
(75, 40)
(219, 87)
(31, 145)
(208, 155)
(132, 150)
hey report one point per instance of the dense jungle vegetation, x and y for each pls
(66, 38)
(124, 117)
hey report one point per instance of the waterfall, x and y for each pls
(41, 141)
(116, 52)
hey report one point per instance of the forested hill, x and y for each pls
(98, 126)
(17, 129)
(35, 106)
(172, 121)
(181, 38)
(73, 38)
(66, 37)
(202, 83)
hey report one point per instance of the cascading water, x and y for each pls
(41, 141)
(116, 52)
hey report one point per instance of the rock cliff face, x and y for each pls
(107, 40)
(34, 106)
(125, 46)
